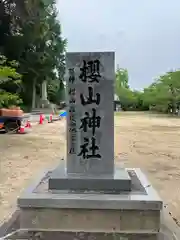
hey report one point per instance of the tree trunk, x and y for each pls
(173, 102)
(34, 94)
(173, 106)
(44, 90)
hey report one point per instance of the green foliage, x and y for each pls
(163, 95)
(8, 74)
(126, 96)
(8, 71)
(31, 35)
(121, 79)
(8, 99)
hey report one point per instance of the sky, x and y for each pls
(145, 34)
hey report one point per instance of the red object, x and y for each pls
(51, 118)
(21, 129)
(41, 119)
(28, 124)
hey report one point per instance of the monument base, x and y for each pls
(45, 103)
(59, 180)
(11, 230)
(135, 213)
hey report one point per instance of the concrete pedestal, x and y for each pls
(60, 180)
(11, 229)
(132, 215)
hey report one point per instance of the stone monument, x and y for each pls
(90, 126)
(43, 104)
(89, 197)
(44, 98)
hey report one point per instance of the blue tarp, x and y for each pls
(63, 114)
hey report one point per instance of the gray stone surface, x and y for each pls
(91, 220)
(60, 180)
(39, 196)
(65, 214)
(104, 135)
(58, 235)
(135, 212)
(169, 231)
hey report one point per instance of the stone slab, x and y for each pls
(91, 220)
(169, 231)
(59, 180)
(39, 196)
(88, 213)
(103, 89)
(57, 235)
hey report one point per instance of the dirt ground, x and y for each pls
(149, 142)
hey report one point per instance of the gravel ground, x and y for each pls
(141, 140)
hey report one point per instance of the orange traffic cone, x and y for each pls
(28, 124)
(51, 118)
(41, 119)
(21, 130)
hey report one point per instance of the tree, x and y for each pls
(164, 94)
(8, 75)
(122, 89)
(45, 50)
(122, 79)
(32, 36)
